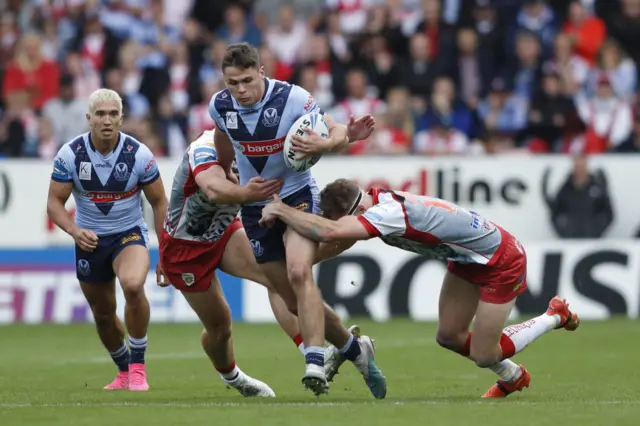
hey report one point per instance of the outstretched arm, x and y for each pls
(315, 227)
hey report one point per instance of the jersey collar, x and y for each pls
(93, 148)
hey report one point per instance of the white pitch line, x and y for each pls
(303, 404)
(399, 343)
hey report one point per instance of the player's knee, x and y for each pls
(104, 316)
(451, 341)
(483, 358)
(132, 287)
(216, 332)
(299, 274)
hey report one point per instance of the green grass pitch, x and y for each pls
(53, 375)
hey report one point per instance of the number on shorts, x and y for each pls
(428, 203)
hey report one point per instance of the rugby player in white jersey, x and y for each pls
(105, 170)
(202, 233)
(254, 115)
(487, 268)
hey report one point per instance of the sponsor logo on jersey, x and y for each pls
(85, 170)
(232, 120)
(302, 206)
(131, 237)
(109, 197)
(262, 148)
(150, 165)
(310, 103)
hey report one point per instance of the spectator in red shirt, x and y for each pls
(30, 72)
(587, 32)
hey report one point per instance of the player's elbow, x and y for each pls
(329, 235)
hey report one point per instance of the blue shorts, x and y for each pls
(96, 267)
(267, 243)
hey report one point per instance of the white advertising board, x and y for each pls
(507, 190)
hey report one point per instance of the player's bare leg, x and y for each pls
(131, 266)
(492, 342)
(217, 340)
(490, 346)
(102, 301)
(238, 260)
(286, 320)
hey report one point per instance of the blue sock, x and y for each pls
(138, 347)
(121, 357)
(314, 355)
(351, 349)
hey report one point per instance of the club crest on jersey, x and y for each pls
(257, 248)
(83, 267)
(188, 278)
(232, 120)
(270, 117)
(85, 170)
(121, 172)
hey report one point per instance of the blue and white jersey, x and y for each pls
(258, 132)
(106, 188)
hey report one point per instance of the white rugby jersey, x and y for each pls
(106, 188)
(191, 215)
(258, 132)
(431, 226)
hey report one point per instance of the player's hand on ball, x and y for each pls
(261, 190)
(361, 128)
(85, 239)
(269, 212)
(310, 144)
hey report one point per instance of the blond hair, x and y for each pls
(101, 95)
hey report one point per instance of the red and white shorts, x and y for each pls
(190, 265)
(501, 281)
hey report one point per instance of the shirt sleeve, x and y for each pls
(384, 218)
(147, 167)
(215, 115)
(304, 101)
(63, 165)
(202, 154)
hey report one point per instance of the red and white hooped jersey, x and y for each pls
(191, 215)
(434, 227)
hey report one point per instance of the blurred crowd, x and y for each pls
(470, 77)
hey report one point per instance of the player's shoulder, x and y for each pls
(221, 101)
(132, 145)
(205, 140)
(300, 98)
(75, 146)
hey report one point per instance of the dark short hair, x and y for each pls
(242, 56)
(337, 198)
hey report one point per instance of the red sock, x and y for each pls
(299, 342)
(466, 349)
(228, 369)
(507, 346)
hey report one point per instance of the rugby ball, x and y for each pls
(298, 161)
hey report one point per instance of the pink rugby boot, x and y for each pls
(120, 382)
(138, 377)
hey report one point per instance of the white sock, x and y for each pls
(231, 376)
(524, 333)
(507, 370)
(301, 348)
